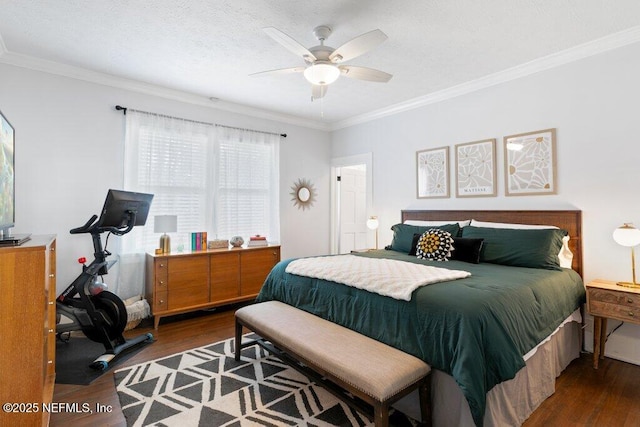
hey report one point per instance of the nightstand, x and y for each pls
(606, 300)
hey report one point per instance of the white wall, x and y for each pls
(593, 104)
(69, 145)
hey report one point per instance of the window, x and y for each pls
(246, 184)
(216, 179)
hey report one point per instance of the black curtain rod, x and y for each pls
(124, 111)
(284, 135)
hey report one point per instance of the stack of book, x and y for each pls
(199, 241)
(257, 240)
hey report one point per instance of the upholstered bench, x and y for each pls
(368, 369)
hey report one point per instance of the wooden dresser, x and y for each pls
(181, 282)
(27, 330)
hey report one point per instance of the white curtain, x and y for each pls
(216, 179)
(246, 184)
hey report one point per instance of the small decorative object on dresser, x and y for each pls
(236, 241)
(608, 300)
(257, 240)
(199, 241)
(217, 244)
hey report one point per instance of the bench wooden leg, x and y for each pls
(425, 397)
(238, 342)
(381, 415)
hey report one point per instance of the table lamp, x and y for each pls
(629, 236)
(165, 224)
(373, 224)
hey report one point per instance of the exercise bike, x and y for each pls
(99, 314)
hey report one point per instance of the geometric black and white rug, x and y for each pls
(206, 387)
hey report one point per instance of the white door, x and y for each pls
(352, 184)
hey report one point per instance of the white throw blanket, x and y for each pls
(392, 278)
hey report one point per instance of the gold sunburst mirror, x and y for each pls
(303, 194)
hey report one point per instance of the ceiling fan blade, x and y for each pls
(318, 91)
(290, 43)
(364, 73)
(280, 71)
(356, 47)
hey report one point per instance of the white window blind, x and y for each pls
(221, 180)
(170, 158)
(247, 184)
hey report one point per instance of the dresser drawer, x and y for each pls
(615, 311)
(160, 274)
(614, 297)
(618, 305)
(161, 302)
(160, 283)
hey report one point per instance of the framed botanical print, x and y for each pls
(476, 169)
(433, 173)
(530, 163)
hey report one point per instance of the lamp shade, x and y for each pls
(165, 223)
(372, 223)
(627, 235)
(321, 73)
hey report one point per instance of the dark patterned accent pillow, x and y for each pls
(435, 244)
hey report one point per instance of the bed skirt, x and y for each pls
(509, 403)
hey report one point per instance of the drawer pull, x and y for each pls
(631, 314)
(629, 300)
(50, 331)
(50, 362)
(52, 275)
(50, 302)
(161, 265)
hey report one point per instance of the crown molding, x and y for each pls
(576, 53)
(51, 67)
(604, 44)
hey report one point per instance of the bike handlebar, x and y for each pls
(94, 228)
(85, 228)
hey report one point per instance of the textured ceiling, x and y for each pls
(209, 48)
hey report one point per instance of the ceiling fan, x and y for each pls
(324, 63)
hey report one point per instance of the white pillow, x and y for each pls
(565, 256)
(436, 223)
(510, 225)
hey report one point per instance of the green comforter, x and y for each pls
(475, 329)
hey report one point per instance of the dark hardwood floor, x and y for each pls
(609, 396)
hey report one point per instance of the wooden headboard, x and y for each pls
(570, 220)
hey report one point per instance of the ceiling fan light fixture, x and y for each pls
(322, 74)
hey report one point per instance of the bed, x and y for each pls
(496, 340)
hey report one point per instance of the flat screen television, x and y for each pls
(7, 182)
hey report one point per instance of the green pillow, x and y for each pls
(403, 234)
(519, 247)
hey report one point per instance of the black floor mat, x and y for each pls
(74, 357)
